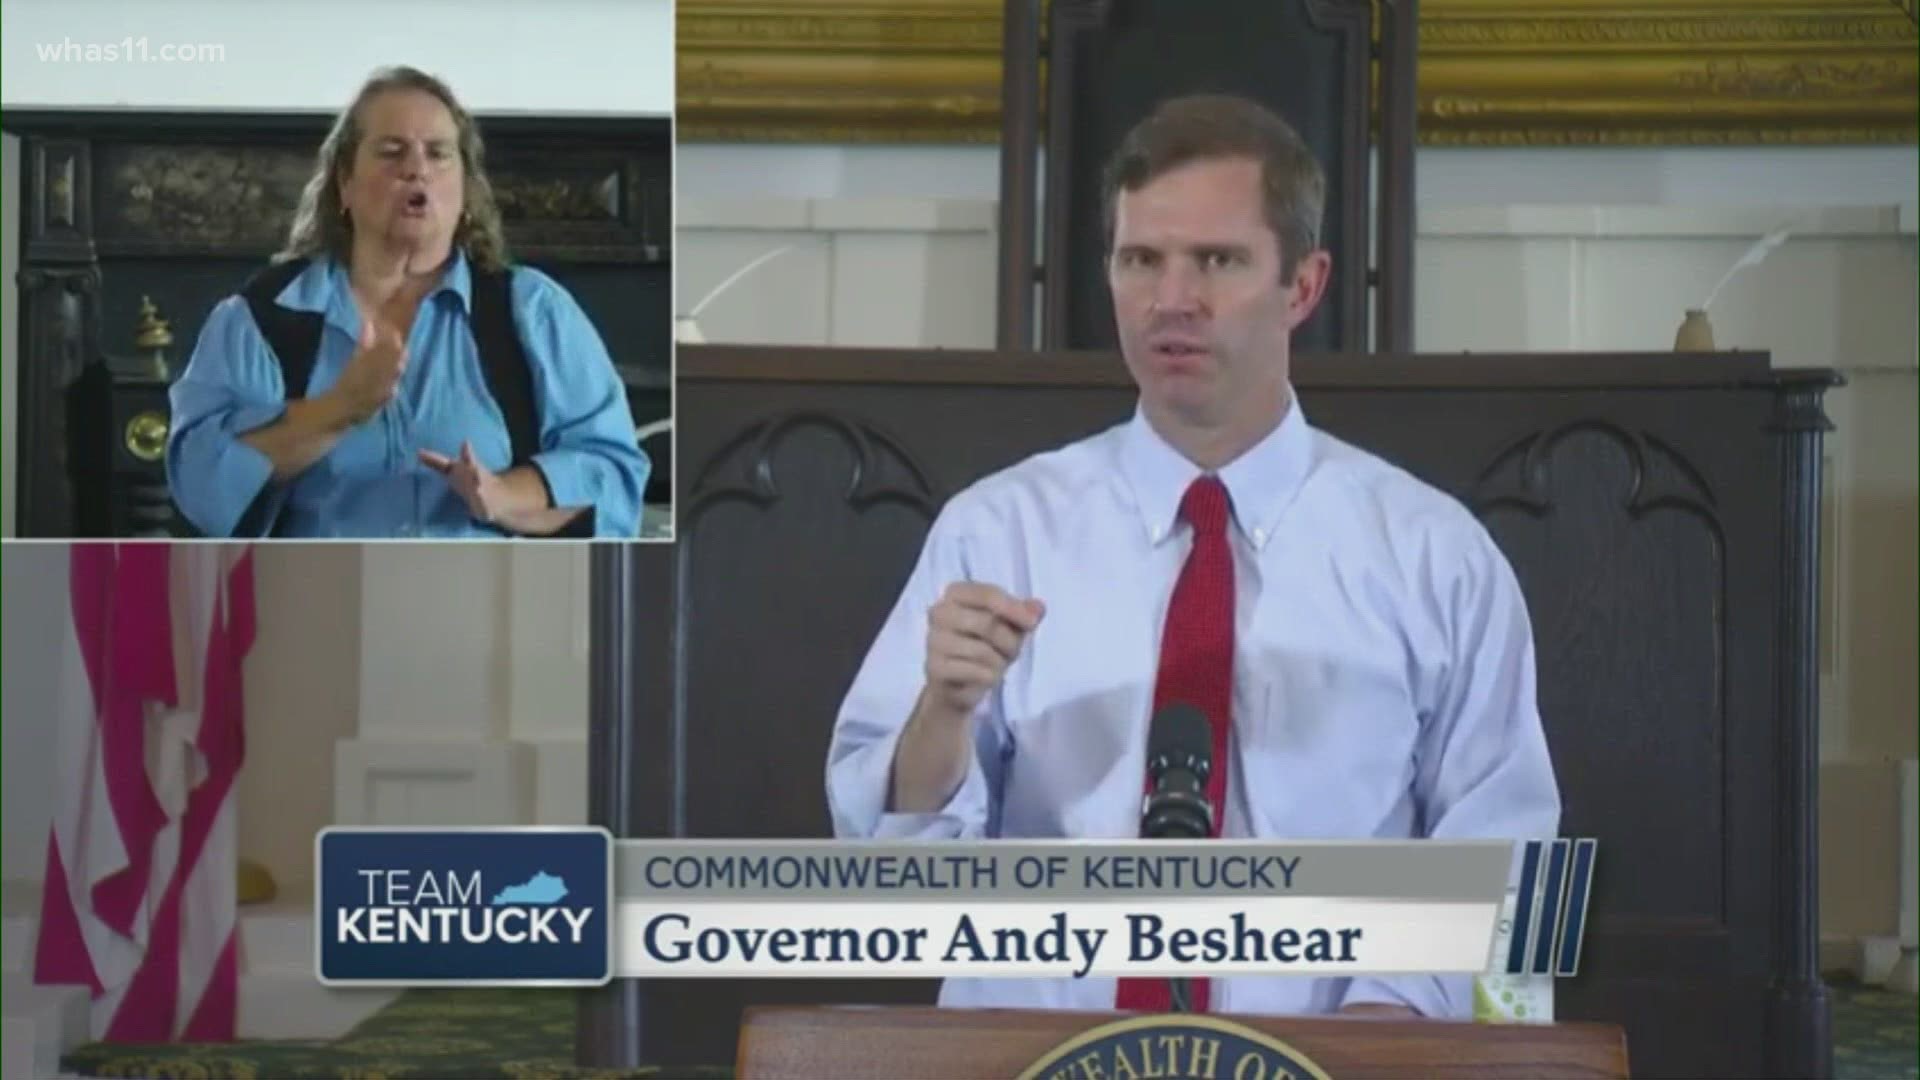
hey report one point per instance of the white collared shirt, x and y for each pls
(1383, 681)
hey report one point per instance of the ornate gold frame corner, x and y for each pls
(1492, 72)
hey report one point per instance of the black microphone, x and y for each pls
(1179, 759)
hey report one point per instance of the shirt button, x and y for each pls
(1259, 536)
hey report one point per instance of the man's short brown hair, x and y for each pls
(1208, 127)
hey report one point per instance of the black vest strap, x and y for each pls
(509, 375)
(294, 337)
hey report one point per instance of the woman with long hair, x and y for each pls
(391, 373)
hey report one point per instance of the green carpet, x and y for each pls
(1875, 1034)
(475, 1033)
(528, 1034)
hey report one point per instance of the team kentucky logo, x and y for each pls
(464, 906)
(1175, 1048)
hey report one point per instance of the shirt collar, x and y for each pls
(324, 287)
(1260, 482)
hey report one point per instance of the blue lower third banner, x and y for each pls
(464, 906)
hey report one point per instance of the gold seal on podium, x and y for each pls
(1174, 1047)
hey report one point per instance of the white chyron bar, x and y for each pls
(1071, 909)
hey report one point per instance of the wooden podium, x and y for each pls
(908, 1043)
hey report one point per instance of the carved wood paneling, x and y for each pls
(166, 199)
(1621, 543)
(57, 314)
(59, 212)
(794, 482)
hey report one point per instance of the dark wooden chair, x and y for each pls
(1109, 62)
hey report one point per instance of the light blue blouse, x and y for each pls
(372, 484)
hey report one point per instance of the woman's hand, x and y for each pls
(372, 375)
(483, 490)
(515, 500)
(310, 427)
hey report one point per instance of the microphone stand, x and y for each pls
(1176, 806)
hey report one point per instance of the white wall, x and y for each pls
(897, 271)
(472, 696)
(556, 56)
(33, 579)
(856, 271)
(1838, 293)
(1443, 176)
(301, 701)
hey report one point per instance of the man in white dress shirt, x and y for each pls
(1366, 644)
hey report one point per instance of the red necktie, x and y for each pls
(1196, 667)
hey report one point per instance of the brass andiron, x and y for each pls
(152, 337)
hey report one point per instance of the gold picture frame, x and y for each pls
(1492, 72)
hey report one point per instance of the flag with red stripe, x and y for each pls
(138, 902)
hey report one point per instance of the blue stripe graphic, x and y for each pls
(1578, 893)
(1550, 903)
(1523, 910)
